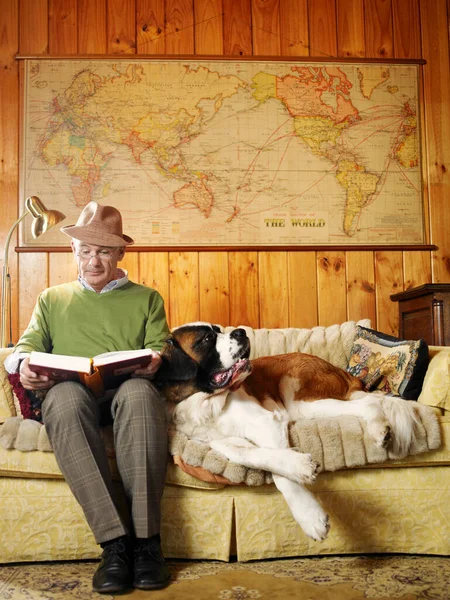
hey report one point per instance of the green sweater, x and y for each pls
(69, 319)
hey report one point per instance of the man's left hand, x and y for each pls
(150, 369)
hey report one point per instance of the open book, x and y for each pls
(102, 372)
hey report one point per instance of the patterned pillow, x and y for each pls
(29, 402)
(383, 362)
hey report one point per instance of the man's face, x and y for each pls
(96, 264)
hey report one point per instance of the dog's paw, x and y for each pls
(307, 469)
(381, 433)
(317, 527)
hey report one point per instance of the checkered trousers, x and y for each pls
(72, 419)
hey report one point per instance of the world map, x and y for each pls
(228, 153)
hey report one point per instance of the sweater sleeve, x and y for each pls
(37, 335)
(156, 328)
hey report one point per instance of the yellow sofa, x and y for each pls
(401, 506)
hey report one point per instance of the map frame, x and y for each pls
(275, 220)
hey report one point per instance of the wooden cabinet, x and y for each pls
(424, 312)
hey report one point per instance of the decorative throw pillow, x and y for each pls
(436, 388)
(383, 362)
(29, 401)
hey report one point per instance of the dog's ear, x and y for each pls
(176, 364)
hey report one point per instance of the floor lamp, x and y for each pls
(43, 219)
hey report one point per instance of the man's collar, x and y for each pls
(120, 280)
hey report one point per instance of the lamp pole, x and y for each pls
(6, 288)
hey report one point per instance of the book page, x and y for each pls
(61, 361)
(120, 355)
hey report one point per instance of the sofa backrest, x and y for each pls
(333, 343)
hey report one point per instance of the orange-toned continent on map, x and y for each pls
(318, 92)
(195, 194)
(360, 187)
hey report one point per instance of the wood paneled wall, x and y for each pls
(262, 289)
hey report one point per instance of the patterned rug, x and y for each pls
(325, 578)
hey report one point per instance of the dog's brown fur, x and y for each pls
(317, 379)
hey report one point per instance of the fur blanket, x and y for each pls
(335, 443)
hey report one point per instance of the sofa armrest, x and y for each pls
(7, 408)
(436, 386)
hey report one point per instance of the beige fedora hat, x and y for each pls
(100, 225)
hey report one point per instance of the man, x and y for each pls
(101, 312)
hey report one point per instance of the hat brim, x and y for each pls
(93, 236)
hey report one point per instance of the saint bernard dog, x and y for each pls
(242, 407)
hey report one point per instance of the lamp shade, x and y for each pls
(43, 219)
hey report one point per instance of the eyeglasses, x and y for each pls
(105, 255)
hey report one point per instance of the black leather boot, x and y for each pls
(114, 573)
(150, 569)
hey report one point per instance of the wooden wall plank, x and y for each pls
(62, 27)
(237, 28)
(406, 28)
(62, 268)
(266, 28)
(130, 263)
(9, 142)
(416, 268)
(389, 280)
(436, 75)
(208, 27)
(294, 28)
(154, 273)
(151, 38)
(179, 27)
(361, 301)
(350, 28)
(322, 28)
(331, 282)
(273, 289)
(378, 19)
(183, 288)
(33, 269)
(121, 26)
(33, 26)
(214, 287)
(244, 288)
(92, 27)
(302, 289)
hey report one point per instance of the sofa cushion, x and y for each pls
(389, 364)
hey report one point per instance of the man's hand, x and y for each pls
(151, 369)
(31, 380)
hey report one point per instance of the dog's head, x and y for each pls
(198, 357)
